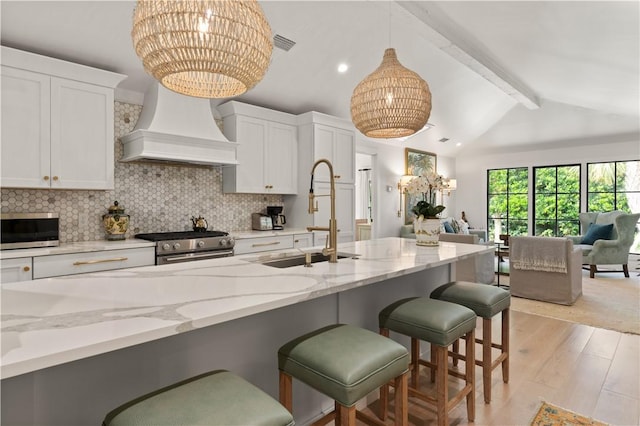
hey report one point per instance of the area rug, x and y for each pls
(549, 414)
(608, 301)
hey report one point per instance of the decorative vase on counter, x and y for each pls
(115, 223)
(427, 231)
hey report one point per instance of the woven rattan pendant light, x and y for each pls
(203, 48)
(391, 102)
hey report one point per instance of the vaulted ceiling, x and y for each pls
(503, 74)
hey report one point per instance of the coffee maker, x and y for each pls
(277, 218)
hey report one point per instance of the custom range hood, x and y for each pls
(175, 128)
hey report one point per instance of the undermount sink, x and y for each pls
(299, 260)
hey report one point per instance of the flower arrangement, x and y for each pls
(426, 185)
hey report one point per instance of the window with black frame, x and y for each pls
(507, 201)
(613, 185)
(556, 200)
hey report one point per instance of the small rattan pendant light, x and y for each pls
(203, 48)
(391, 102)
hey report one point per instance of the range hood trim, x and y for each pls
(141, 145)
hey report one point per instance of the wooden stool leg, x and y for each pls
(286, 393)
(433, 362)
(442, 394)
(470, 376)
(456, 350)
(401, 400)
(505, 345)
(592, 271)
(625, 270)
(384, 389)
(415, 362)
(345, 416)
(486, 359)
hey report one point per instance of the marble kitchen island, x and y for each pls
(75, 347)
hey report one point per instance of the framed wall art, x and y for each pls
(415, 163)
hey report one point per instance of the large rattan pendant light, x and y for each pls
(391, 102)
(203, 48)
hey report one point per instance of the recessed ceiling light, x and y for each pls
(342, 68)
(459, 144)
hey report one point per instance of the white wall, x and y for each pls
(388, 165)
(471, 171)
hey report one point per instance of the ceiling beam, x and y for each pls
(454, 40)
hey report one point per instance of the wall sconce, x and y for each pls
(451, 185)
(402, 184)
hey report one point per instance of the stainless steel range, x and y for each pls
(175, 247)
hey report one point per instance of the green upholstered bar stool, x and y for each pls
(345, 363)
(486, 301)
(215, 398)
(439, 323)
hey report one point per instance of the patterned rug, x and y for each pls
(549, 415)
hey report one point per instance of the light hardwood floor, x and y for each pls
(591, 371)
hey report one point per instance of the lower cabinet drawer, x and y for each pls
(80, 263)
(255, 245)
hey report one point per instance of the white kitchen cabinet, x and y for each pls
(57, 123)
(323, 136)
(13, 270)
(337, 146)
(80, 263)
(267, 150)
(262, 244)
(345, 212)
(303, 240)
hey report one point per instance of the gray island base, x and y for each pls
(71, 383)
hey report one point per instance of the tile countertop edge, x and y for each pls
(80, 298)
(76, 247)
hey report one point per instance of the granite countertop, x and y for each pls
(51, 321)
(77, 247)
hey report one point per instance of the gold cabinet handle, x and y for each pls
(275, 243)
(92, 262)
(337, 176)
(26, 269)
(46, 178)
(296, 241)
(55, 178)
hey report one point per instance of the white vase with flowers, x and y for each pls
(427, 222)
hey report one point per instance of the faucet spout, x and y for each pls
(332, 250)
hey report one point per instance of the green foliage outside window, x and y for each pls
(557, 200)
(508, 201)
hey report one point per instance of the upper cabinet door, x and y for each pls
(337, 146)
(82, 141)
(251, 136)
(281, 159)
(25, 129)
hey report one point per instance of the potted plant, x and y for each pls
(426, 224)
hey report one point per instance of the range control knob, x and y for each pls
(166, 246)
(176, 246)
(200, 243)
(231, 241)
(224, 242)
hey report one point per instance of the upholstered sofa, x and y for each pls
(477, 269)
(613, 250)
(406, 231)
(545, 268)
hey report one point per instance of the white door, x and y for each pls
(281, 159)
(13, 270)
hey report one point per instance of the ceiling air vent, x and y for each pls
(283, 42)
(443, 140)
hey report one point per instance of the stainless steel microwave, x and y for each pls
(25, 230)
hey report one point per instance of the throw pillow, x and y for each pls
(448, 229)
(464, 227)
(597, 232)
(455, 227)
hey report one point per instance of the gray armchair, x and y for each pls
(614, 251)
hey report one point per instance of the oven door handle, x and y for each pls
(195, 256)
